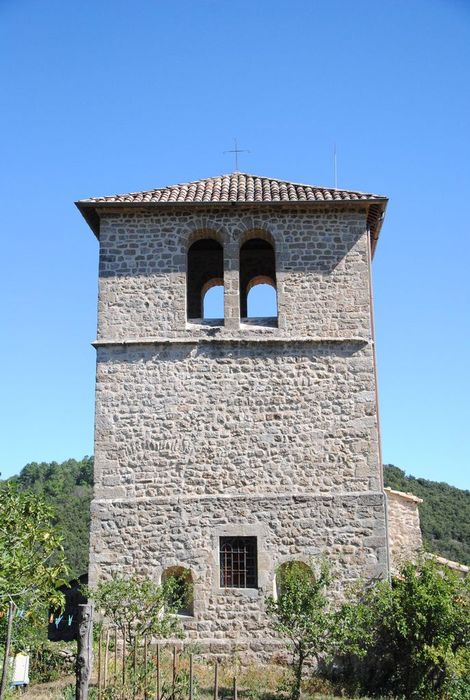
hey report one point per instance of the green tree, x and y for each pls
(300, 614)
(410, 638)
(138, 607)
(32, 567)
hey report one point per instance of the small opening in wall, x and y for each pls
(181, 584)
(262, 299)
(213, 299)
(290, 570)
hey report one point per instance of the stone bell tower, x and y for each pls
(227, 447)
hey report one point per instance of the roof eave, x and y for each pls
(375, 220)
(375, 206)
(90, 215)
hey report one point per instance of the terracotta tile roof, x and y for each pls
(236, 187)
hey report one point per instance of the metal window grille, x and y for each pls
(238, 562)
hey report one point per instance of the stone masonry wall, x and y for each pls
(225, 418)
(321, 271)
(146, 536)
(206, 430)
(404, 531)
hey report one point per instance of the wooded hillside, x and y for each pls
(67, 487)
(445, 512)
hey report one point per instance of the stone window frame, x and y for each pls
(264, 560)
(231, 236)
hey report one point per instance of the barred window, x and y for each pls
(238, 562)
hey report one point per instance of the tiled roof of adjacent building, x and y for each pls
(236, 188)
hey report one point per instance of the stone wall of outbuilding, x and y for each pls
(404, 531)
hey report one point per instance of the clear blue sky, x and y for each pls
(112, 96)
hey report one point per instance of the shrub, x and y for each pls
(410, 638)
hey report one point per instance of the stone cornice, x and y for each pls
(192, 340)
(265, 496)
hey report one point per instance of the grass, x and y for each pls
(254, 683)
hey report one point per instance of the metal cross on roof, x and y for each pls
(236, 151)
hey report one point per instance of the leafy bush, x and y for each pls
(411, 638)
(50, 661)
(67, 487)
(32, 567)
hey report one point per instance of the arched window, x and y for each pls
(288, 572)
(261, 298)
(182, 589)
(258, 279)
(213, 299)
(205, 270)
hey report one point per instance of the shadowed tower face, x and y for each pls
(227, 447)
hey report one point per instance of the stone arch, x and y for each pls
(257, 264)
(261, 279)
(204, 231)
(183, 594)
(286, 567)
(205, 268)
(257, 232)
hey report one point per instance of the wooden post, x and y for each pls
(124, 666)
(173, 689)
(115, 655)
(235, 689)
(6, 650)
(216, 681)
(145, 668)
(134, 669)
(84, 650)
(158, 673)
(106, 653)
(190, 677)
(100, 640)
